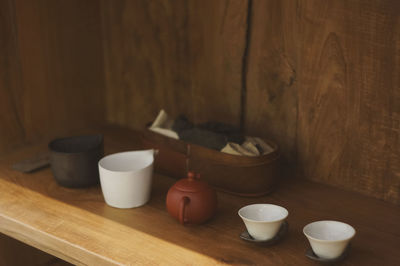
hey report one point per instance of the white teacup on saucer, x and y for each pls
(263, 221)
(329, 239)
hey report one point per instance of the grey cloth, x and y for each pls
(232, 133)
(181, 123)
(213, 135)
(204, 138)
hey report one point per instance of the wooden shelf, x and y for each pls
(77, 226)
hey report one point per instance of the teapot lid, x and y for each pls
(191, 184)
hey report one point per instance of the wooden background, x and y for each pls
(51, 69)
(321, 78)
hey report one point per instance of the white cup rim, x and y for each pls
(102, 160)
(353, 232)
(264, 221)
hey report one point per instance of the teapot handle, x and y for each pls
(182, 206)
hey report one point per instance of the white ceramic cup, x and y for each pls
(263, 221)
(329, 239)
(126, 178)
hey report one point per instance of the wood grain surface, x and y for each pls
(165, 54)
(51, 66)
(217, 39)
(271, 106)
(324, 82)
(77, 225)
(348, 95)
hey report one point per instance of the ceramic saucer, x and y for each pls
(310, 254)
(282, 231)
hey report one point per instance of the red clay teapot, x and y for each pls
(191, 201)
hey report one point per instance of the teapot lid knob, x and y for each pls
(191, 183)
(190, 175)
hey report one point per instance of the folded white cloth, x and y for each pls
(264, 146)
(163, 124)
(248, 148)
(236, 149)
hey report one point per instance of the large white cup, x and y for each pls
(263, 221)
(126, 178)
(329, 239)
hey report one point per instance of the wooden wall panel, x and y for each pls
(349, 127)
(61, 57)
(51, 78)
(341, 114)
(11, 127)
(183, 56)
(271, 106)
(146, 59)
(217, 39)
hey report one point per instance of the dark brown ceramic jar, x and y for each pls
(191, 201)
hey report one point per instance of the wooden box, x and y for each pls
(239, 175)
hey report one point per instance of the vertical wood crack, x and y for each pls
(245, 66)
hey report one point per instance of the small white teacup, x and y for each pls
(329, 239)
(263, 221)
